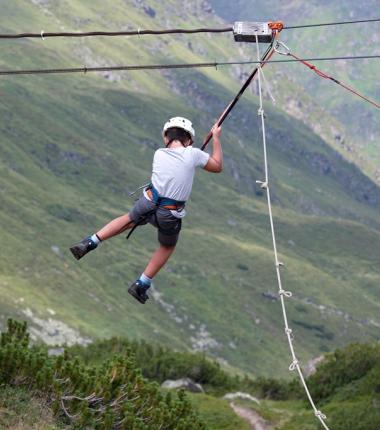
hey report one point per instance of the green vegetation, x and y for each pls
(355, 368)
(216, 413)
(22, 408)
(346, 387)
(112, 395)
(72, 147)
(159, 363)
(101, 387)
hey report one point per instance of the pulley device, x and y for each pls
(248, 32)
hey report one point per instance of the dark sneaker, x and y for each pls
(138, 291)
(82, 248)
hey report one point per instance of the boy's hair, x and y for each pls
(176, 133)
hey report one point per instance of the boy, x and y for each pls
(163, 202)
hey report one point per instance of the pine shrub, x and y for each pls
(113, 395)
(342, 368)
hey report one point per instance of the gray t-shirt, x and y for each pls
(173, 171)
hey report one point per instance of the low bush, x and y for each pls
(159, 363)
(112, 395)
(342, 368)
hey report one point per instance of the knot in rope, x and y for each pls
(263, 184)
(320, 415)
(289, 333)
(293, 366)
(287, 294)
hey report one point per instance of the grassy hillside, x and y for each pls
(51, 392)
(21, 409)
(345, 386)
(72, 147)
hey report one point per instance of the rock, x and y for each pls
(56, 351)
(56, 251)
(184, 383)
(270, 296)
(149, 11)
(53, 332)
(312, 365)
(241, 396)
(203, 341)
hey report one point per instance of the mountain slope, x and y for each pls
(72, 147)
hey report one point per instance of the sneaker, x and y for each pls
(83, 247)
(138, 291)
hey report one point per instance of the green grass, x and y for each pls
(74, 146)
(216, 413)
(20, 409)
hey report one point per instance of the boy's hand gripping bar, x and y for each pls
(267, 55)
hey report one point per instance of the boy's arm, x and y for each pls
(215, 162)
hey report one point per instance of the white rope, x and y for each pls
(266, 85)
(295, 365)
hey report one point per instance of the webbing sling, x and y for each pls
(164, 201)
(159, 202)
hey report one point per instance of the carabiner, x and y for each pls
(138, 189)
(281, 45)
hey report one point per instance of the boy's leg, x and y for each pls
(141, 208)
(113, 228)
(140, 287)
(167, 238)
(158, 260)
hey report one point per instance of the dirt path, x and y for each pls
(254, 419)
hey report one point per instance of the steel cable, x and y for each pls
(42, 35)
(214, 64)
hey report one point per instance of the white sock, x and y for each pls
(95, 239)
(145, 279)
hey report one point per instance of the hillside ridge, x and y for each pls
(74, 147)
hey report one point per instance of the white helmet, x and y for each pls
(180, 122)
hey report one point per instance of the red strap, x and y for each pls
(325, 76)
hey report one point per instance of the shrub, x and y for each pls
(159, 363)
(111, 395)
(343, 367)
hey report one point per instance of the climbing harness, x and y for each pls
(282, 49)
(263, 60)
(295, 365)
(163, 202)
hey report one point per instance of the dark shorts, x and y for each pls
(144, 212)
